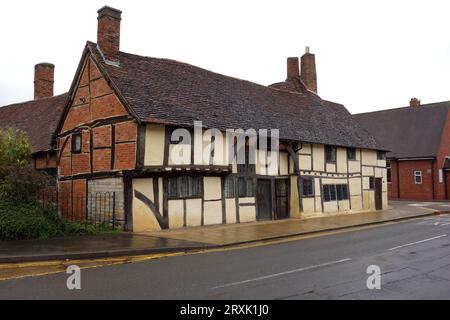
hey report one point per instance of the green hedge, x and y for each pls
(20, 221)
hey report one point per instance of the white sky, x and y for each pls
(370, 55)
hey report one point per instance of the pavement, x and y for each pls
(412, 257)
(200, 238)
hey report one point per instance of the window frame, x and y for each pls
(335, 192)
(353, 158)
(342, 192)
(420, 175)
(188, 193)
(388, 171)
(312, 193)
(381, 155)
(371, 183)
(229, 187)
(76, 135)
(248, 182)
(330, 151)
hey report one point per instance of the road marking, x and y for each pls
(282, 273)
(417, 242)
(445, 224)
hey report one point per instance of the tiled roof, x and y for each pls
(171, 91)
(38, 118)
(409, 132)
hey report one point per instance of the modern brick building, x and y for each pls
(119, 130)
(418, 137)
(38, 118)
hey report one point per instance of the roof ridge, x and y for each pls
(427, 105)
(177, 62)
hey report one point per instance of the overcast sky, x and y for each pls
(370, 55)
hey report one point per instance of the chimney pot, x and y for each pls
(293, 70)
(414, 102)
(308, 72)
(44, 74)
(108, 32)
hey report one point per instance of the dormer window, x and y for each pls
(76, 142)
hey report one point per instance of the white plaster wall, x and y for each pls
(318, 157)
(176, 213)
(193, 212)
(212, 188)
(213, 212)
(154, 145)
(230, 210)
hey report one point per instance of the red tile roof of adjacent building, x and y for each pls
(37, 118)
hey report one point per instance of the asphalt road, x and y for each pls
(413, 256)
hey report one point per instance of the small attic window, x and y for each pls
(76, 142)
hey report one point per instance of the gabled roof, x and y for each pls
(409, 132)
(37, 118)
(168, 91)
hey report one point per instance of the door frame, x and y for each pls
(378, 188)
(288, 197)
(272, 196)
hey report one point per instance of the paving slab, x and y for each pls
(224, 235)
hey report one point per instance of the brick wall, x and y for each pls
(409, 190)
(45, 160)
(113, 144)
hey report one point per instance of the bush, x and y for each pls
(18, 179)
(29, 220)
(15, 148)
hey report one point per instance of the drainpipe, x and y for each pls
(398, 178)
(432, 179)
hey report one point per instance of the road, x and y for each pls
(413, 256)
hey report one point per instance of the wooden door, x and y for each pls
(281, 198)
(378, 194)
(264, 199)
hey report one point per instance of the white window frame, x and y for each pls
(418, 173)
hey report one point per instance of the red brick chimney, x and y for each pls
(108, 32)
(414, 102)
(293, 70)
(43, 80)
(308, 75)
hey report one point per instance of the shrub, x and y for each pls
(18, 179)
(15, 148)
(29, 220)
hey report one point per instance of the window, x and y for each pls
(246, 167)
(329, 192)
(351, 154)
(333, 192)
(418, 177)
(307, 187)
(330, 154)
(371, 183)
(76, 142)
(342, 192)
(389, 172)
(185, 187)
(381, 155)
(246, 188)
(229, 187)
